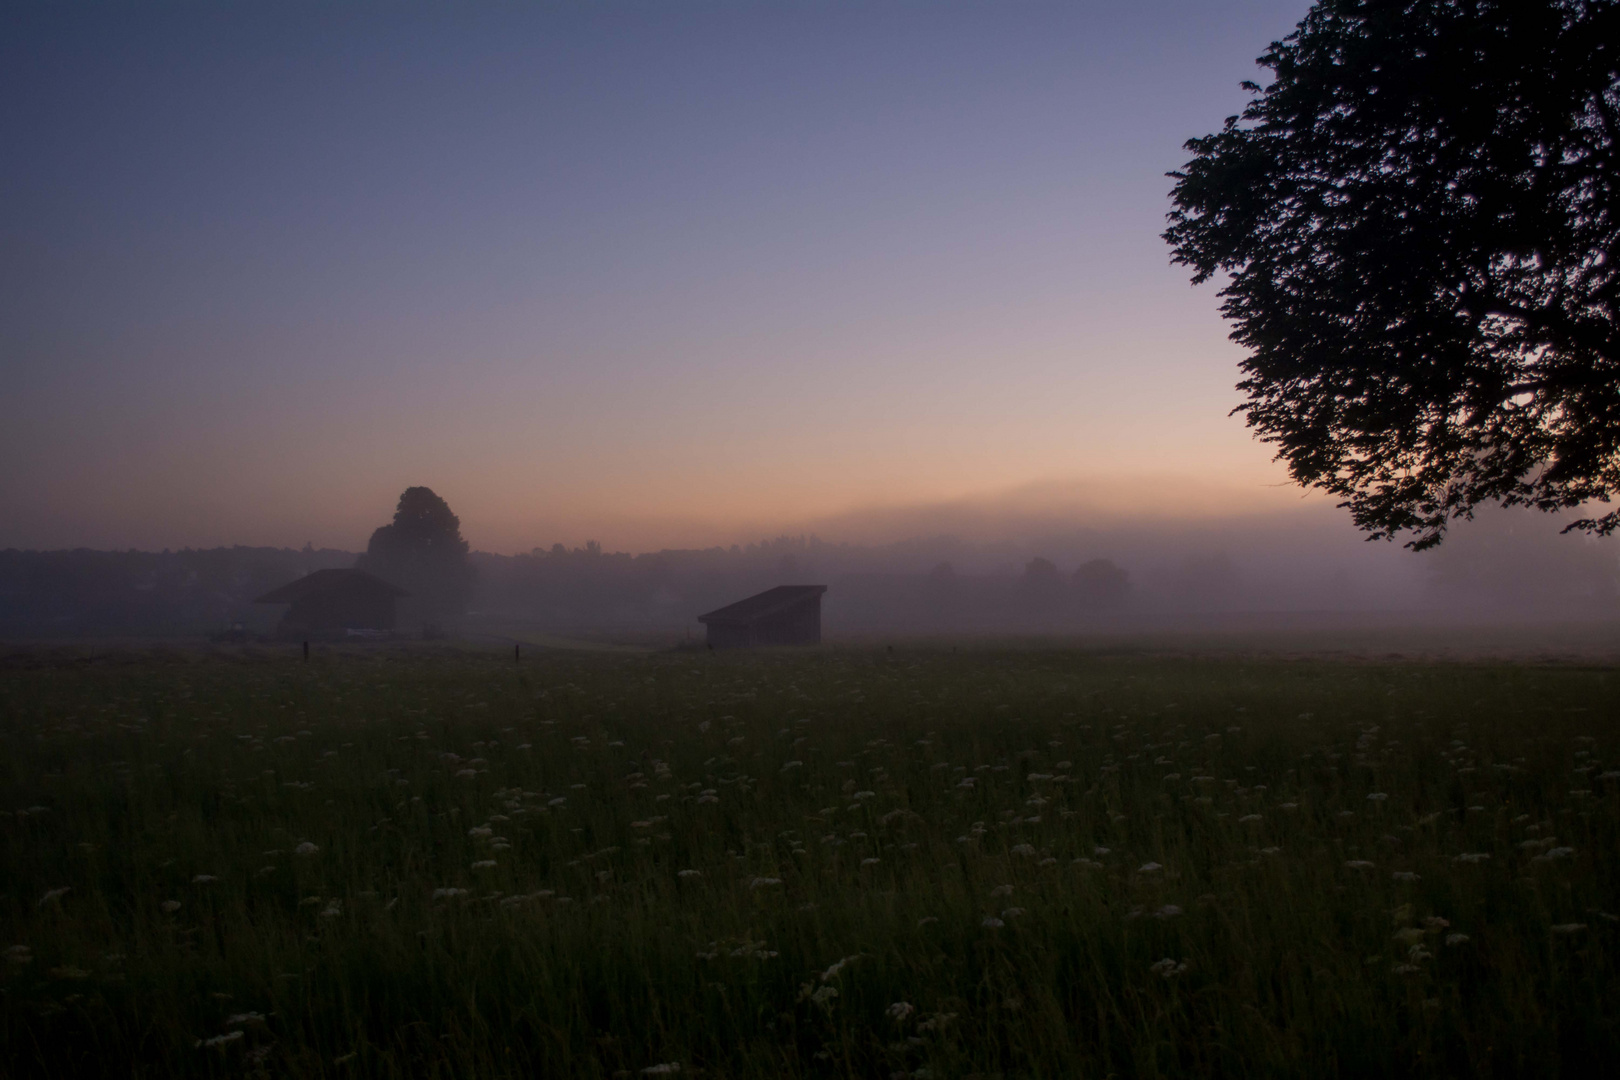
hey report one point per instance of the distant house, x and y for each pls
(334, 601)
(785, 615)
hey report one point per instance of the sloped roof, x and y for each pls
(328, 581)
(765, 604)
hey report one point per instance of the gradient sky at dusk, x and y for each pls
(656, 274)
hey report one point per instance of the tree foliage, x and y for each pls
(1417, 223)
(422, 552)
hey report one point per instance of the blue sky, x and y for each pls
(654, 273)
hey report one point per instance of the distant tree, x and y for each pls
(1041, 576)
(1101, 584)
(422, 552)
(1418, 221)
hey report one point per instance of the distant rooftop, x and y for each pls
(322, 581)
(765, 604)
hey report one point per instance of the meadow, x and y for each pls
(927, 862)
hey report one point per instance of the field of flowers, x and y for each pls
(994, 862)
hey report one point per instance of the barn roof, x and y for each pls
(322, 581)
(765, 604)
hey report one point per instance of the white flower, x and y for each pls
(1569, 928)
(204, 879)
(899, 1011)
(1002, 890)
(1249, 819)
(219, 1040)
(832, 971)
(1100, 851)
(1168, 968)
(332, 911)
(1023, 849)
(466, 774)
(1472, 857)
(870, 862)
(1405, 876)
(764, 882)
(480, 830)
(1377, 796)
(1359, 864)
(483, 864)
(1149, 868)
(306, 848)
(54, 894)
(1169, 911)
(1012, 913)
(170, 906)
(668, 1068)
(992, 922)
(689, 874)
(445, 894)
(1456, 939)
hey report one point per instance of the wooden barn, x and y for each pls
(785, 615)
(333, 601)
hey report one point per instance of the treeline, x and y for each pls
(78, 593)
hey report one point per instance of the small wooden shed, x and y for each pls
(332, 601)
(785, 615)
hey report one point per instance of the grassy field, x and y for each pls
(996, 862)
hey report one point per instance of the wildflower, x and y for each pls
(332, 911)
(824, 995)
(764, 882)
(1359, 864)
(1002, 890)
(54, 894)
(1435, 922)
(1569, 928)
(708, 798)
(481, 831)
(1250, 819)
(899, 1011)
(922, 922)
(20, 954)
(870, 862)
(204, 879)
(832, 971)
(1100, 851)
(170, 906)
(69, 972)
(1405, 876)
(1377, 796)
(466, 774)
(306, 848)
(219, 1040)
(1012, 913)
(792, 765)
(685, 874)
(445, 894)
(1169, 911)
(244, 1018)
(1472, 857)
(668, 1068)
(1270, 850)
(1023, 849)
(992, 922)
(1168, 968)
(483, 864)
(1149, 868)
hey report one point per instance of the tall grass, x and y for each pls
(1015, 863)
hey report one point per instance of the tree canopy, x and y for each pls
(422, 551)
(1416, 224)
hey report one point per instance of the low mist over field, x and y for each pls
(1157, 555)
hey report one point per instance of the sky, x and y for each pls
(654, 274)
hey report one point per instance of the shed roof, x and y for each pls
(765, 604)
(322, 581)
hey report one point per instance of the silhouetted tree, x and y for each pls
(1101, 584)
(423, 553)
(1418, 219)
